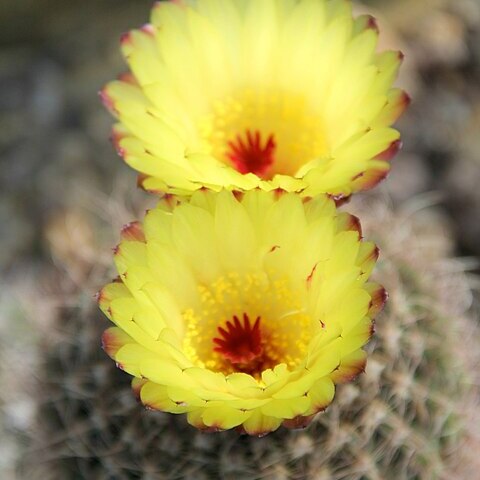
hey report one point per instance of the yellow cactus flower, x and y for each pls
(240, 94)
(241, 311)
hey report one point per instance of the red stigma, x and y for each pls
(248, 155)
(239, 343)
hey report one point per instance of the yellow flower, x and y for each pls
(241, 311)
(240, 94)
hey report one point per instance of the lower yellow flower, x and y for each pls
(242, 311)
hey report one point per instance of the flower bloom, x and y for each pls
(241, 311)
(241, 94)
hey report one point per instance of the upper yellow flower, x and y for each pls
(242, 311)
(242, 94)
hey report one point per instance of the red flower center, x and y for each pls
(249, 155)
(241, 343)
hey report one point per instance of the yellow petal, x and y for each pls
(320, 395)
(287, 408)
(259, 424)
(223, 417)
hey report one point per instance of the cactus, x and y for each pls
(408, 417)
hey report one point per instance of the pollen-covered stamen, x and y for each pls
(241, 343)
(249, 155)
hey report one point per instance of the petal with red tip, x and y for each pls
(137, 384)
(369, 179)
(379, 298)
(298, 422)
(113, 339)
(224, 417)
(350, 367)
(398, 102)
(109, 293)
(348, 222)
(367, 257)
(108, 101)
(156, 397)
(366, 22)
(321, 395)
(128, 77)
(119, 132)
(390, 152)
(260, 425)
(133, 232)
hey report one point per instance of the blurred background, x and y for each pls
(64, 193)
